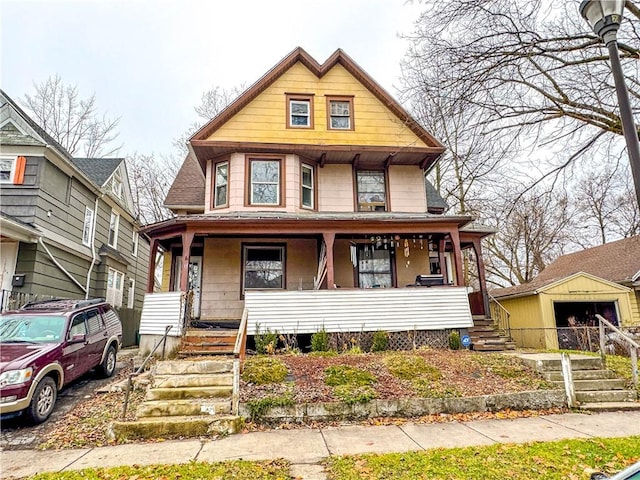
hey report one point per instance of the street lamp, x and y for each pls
(605, 17)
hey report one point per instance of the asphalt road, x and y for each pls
(17, 433)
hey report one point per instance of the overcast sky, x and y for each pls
(148, 62)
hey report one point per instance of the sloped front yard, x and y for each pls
(288, 380)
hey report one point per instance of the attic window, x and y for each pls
(299, 111)
(116, 186)
(340, 113)
(12, 170)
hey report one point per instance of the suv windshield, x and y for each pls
(31, 328)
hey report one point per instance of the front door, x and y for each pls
(375, 268)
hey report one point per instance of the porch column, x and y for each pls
(442, 244)
(477, 246)
(187, 240)
(455, 240)
(151, 277)
(329, 238)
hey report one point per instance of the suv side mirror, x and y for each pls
(78, 338)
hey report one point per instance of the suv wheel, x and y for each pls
(108, 365)
(44, 398)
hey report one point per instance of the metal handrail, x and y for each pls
(162, 341)
(634, 347)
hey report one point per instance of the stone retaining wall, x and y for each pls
(410, 407)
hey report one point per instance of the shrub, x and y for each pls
(352, 394)
(320, 341)
(263, 370)
(454, 341)
(266, 342)
(380, 341)
(411, 367)
(346, 375)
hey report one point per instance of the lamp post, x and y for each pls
(605, 16)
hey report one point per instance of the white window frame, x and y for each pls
(310, 188)
(252, 182)
(131, 293)
(216, 186)
(135, 239)
(307, 115)
(114, 293)
(87, 227)
(116, 186)
(114, 224)
(11, 170)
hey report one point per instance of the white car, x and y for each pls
(631, 473)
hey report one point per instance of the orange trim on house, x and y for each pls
(18, 177)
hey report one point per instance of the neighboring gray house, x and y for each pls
(67, 227)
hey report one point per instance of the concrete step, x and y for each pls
(556, 376)
(606, 396)
(593, 385)
(190, 427)
(192, 407)
(186, 367)
(188, 392)
(193, 380)
(610, 406)
(547, 363)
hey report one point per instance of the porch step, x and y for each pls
(485, 336)
(590, 385)
(185, 398)
(177, 426)
(197, 341)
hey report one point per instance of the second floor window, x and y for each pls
(221, 181)
(113, 229)
(306, 185)
(371, 193)
(87, 229)
(135, 238)
(265, 182)
(7, 169)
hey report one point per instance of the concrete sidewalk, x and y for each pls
(305, 448)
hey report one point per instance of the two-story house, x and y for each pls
(304, 204)
(67, 225)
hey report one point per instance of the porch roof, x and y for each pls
(276, 223)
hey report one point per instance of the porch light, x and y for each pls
(604, 17)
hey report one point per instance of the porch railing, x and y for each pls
(239, 352)
(500, 315)
(620, 338)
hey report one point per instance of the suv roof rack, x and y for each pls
(61, 303)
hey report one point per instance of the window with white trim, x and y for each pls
(87, 228)
(116, 185)
(135, 238)
(265, 182)
(131, 293)
(115, 286)
(307, 186)
(7, 169)
(299, 111)
(220, 188)
(114, 223)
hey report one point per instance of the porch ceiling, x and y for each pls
(274, 223)
(364, 156)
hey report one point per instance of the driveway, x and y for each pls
(17, 433)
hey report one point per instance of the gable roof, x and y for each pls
(187, 189)
(427, 155)
(99, 170)
(11, 135)
(617, 262)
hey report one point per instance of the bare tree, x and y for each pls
(212, 102)
(150, 180)
(72, 121)
(530, 234)
(533, 68)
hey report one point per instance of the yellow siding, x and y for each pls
(634, 300)
(527, 323)
(166, 272)
(264, 119)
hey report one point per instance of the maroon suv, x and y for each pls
(46, 345)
